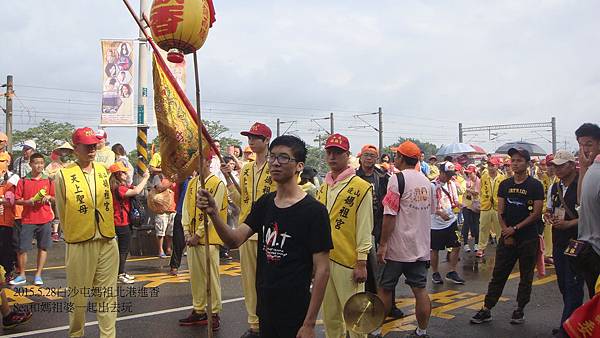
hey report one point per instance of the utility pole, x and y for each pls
(331, 123)
(380, 113)
(142, 129)
(554, 135)
(9, 111)
(278, 134)
(460, 133)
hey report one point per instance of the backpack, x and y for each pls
(137, 213)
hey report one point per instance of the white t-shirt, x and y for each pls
(445, 197)
(410, 240)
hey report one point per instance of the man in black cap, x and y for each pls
(520, 200)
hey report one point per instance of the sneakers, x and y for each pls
(251, 334)
(129, 276)
(467, 248)
(518, 317)
(38, 281)
(163, 255)
(123, 279)
(200, 319)
(55, 237)
(436, 278)
(480, 253)
(194, 318)
(173, 272)
(475, 247)
(20, 280)
(415, 335)
(15, 318)
(454, 277)
(396, 313)
(482, 316)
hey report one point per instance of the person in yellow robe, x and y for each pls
(85, 209)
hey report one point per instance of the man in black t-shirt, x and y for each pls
(520, 201)
(294, 239)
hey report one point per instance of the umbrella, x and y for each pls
(533, 149)
(455, 149)
(478, 149)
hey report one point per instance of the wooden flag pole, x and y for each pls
(228, 176)
(203, 175)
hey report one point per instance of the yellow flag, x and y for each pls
(177, 124)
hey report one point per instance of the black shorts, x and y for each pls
(445, 238)
(415, 274)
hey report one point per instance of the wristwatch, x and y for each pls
(514, 228)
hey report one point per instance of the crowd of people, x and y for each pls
(372, 219)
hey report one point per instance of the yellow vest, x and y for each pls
(81, 216)
(213, 184)
(489, 192)
(342, 218)
(461, 187)
(264, 185)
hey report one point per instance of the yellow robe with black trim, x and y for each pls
(192, 218)
(488, 195)
(81, 214)
(350, 232)
(251, 190)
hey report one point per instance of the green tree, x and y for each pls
(426, 147)
(315, 158)
(47, 135)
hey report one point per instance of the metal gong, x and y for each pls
(364, 312)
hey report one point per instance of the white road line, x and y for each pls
(139, 315)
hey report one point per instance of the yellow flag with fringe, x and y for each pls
(177, 123)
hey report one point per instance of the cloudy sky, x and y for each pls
(428, 64)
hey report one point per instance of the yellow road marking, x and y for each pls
(129, 260)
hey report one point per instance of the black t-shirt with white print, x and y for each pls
(518, 204)
(287, 239)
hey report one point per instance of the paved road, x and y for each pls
(152, 306)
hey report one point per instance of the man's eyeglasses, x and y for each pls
(281, 158)
(369, 155)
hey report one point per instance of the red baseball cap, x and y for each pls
(337, 141)
(471, 168)
(495, 161)
(85, 136)
(458, 166)
(101, 134)
(549, 158)
(258, 129)
(408, 149)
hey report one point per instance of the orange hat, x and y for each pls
(116, 167)
(408, 149)
(369, 148)
(337, 141)
(3, 137)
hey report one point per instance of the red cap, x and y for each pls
(549, 158)
(408, 149)
(471, 168)
(337, 141)
(495, 161)
(258, 129)
(85, 136)
(458, 166)
(101, 134)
